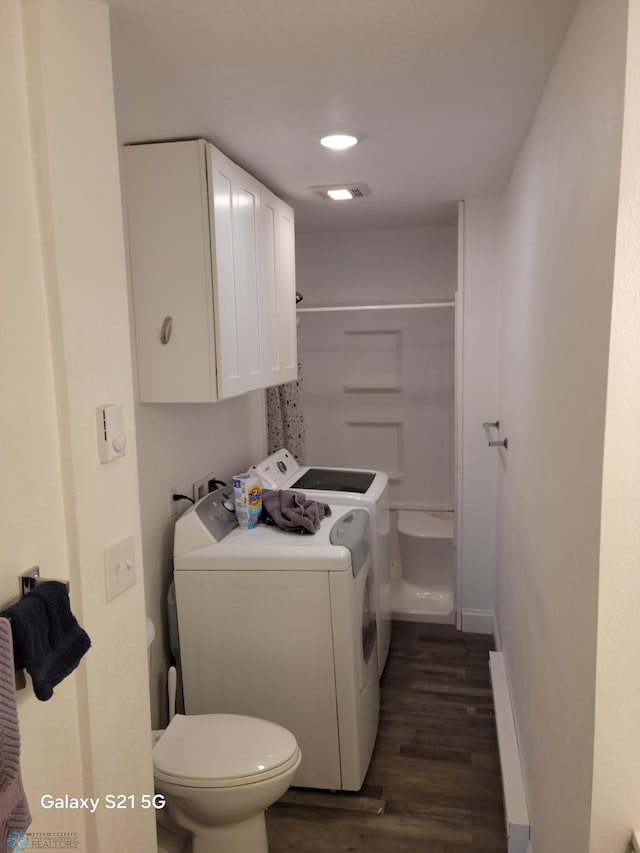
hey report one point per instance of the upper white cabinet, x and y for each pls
(213, 275)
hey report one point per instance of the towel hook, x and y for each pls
(495, 425)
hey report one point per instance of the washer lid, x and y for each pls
(335, 480)
(217, 748)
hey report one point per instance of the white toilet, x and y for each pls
(218, 773)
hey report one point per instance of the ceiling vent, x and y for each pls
(356, 190)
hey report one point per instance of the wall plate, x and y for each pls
(119, 566)
(202, 487)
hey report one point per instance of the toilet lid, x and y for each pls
(212, 750)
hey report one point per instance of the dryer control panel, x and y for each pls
(207, 522)
(217, 512)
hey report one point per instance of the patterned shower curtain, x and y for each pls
(285, 416)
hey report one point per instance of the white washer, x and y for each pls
(349, 486)
(279, 625)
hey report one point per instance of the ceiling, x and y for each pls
(440, 92)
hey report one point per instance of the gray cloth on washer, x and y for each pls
(292, 511)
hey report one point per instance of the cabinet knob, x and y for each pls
(166, 330)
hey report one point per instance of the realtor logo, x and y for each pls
(17, 841)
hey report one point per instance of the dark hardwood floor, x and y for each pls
(433, 785)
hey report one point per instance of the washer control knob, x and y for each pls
(229, 505)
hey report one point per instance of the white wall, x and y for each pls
(65, 350)
(479, 294)
(393, 265)
(29, 450)
(616, 784)
(560, 215)
(177, 445)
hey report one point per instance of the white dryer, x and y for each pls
(279, 625)
(349, 486)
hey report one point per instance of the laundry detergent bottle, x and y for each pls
(247, 489)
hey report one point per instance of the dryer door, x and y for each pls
(353, 618)
(353, 531)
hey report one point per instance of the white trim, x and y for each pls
(477, 622)
(458, 417)
(497, 640)
(389, 307)
(515, 801)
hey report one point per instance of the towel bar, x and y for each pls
(504, 443)
(30, 580)
(494, 425)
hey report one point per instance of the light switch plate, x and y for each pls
(120, 566)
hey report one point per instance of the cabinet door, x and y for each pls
(246, 218)
(278, 290)
(287, 294)
(170, 259)
(234, 200)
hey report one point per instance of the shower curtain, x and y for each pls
(285, 416)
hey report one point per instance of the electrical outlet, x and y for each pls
(201, 487)
(119, 566)
(174, 506)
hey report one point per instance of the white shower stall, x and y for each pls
(377, 340)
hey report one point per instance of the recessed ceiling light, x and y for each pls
(338, 141)
(340, 194)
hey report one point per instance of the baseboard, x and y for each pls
(477, 621)
(515, 803)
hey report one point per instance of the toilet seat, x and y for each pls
(240, 750)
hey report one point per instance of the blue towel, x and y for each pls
(47, 640)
